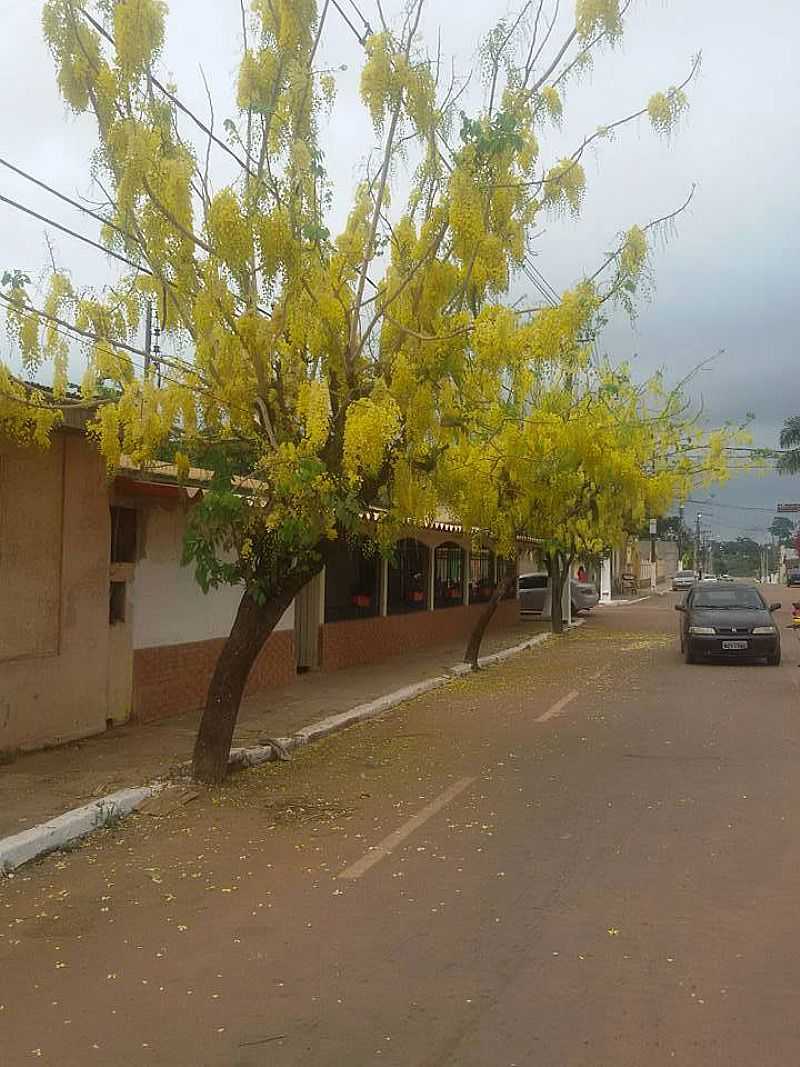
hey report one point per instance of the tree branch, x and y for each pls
(559, 56)
(645, 229)
(353, 346)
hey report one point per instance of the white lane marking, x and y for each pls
(558, 707)
(390, 843)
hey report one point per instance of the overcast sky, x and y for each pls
(727, 279)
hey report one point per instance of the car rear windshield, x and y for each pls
(685, 574)
(732, 597)
(533, 581)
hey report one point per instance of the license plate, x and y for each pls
(733, 646)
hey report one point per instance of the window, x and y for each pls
(448, 590)
(352, 582)
(408, 577)
(481, 576)
(116, 603)
(533, 581)
(123, 535)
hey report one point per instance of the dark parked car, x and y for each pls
(793, 578)
(730, 621)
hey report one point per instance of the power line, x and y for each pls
(86, 334)
(735, 507)
(78, 236)
(362, 16)
(360, 37)
(531, 266)
(168, 361)
(539, 286)
(68, 199)
(88, 240)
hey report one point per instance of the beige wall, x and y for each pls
(54, 575)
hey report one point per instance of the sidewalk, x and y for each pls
(41, 785)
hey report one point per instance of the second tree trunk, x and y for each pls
(476, 637)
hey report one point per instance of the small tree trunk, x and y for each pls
(253, 624)
(557, 574)
(560, 566)
(485, 617)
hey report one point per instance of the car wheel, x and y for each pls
(775, 659)
(688, 655)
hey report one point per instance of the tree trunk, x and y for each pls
(486, 616)
(253, 624)
(557, 575)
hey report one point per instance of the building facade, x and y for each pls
(100, 624)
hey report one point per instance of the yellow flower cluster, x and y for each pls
(565, 184)
(25, 417)
(376, 77)
(598, 16)
(76, 49)
(228, 230)
(314, 411)
(552, 102)
(256, 84)
(665, 109)
(373, 425)
(634, 253)
(138, 34)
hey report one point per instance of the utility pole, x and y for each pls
(653, 563)
(680, 537)
(698, 562)
(148, 336)
(157, 353)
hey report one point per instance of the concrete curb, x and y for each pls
(72, 825)
(47, 836)
(625, 603)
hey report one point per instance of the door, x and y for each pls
(120, 647)
(307, 618)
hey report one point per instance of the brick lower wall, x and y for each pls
(171, 679)
(360, 641)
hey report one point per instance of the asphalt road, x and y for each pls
(588, 857)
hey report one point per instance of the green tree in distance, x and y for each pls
(782, 529)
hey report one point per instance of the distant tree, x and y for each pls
(782, 529)
(789, 461)
(740, 558)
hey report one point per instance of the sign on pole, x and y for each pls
(654, 527)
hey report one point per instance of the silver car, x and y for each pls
(533, 593)
(683, 580)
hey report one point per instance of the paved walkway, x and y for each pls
(41, 785)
